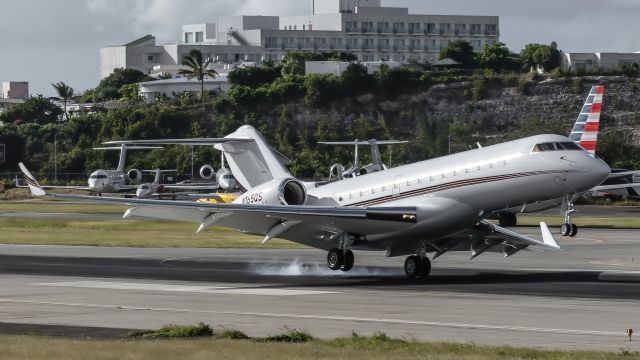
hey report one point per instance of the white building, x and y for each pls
(152, 90)
(363, 27)
(588, 61)
(338, 67)
(15, 90)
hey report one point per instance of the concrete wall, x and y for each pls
(588, 61)
(208, 32)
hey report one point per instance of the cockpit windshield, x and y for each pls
(99, 176)
(558, 146)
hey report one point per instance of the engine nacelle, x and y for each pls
(276, 192)
(207, 172)
(134, 175)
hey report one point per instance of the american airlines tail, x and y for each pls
(585, 131)
(253, 163)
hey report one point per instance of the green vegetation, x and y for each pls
(175, 331)
(65, 93)
(356, 347)
(295, 111)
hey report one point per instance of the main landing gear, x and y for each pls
(339, 259)
(417, 266)
(568, 228)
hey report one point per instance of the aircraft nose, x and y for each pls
(600, 170)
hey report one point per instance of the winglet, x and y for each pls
(547, 236)
(36, 189)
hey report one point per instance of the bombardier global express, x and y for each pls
(430, 207)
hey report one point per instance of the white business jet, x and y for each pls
(429, 207)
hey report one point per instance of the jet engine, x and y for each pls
(277, 192)
(134, 175)
(207, 172)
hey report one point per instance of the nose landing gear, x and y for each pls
(568, 228)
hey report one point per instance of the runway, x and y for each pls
(582, 298)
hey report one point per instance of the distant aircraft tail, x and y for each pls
(36, 189)
(253, 162)
(585, 130)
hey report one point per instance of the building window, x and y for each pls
(150, 58)
(429, 28)
(351, 26)
(398, 44)
(304, 27)
(199, 37)
(477, 45)
(444, 44)
(476, 29)
(368, 43)
(445, 28)
(383, 44)
(188, 38)
(383, 27)
(491, 29)
(398, 28)
(415, 45)
(271, 42)
(367, 27)
(352, 43)
(414, 28)
(461, 29)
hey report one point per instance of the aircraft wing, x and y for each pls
(615, 186)
(313, 225)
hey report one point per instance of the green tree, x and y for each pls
(293, 62)
(539, 55)
(197, 67)
(356, 79)
(109, 87)
(65, 93)
(130, 93)
(35, 109)
(497, 57)
(460, 51)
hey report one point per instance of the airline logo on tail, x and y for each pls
(585, 131)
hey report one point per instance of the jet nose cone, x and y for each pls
(601, 169)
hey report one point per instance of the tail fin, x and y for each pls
(36, 189)
(585, 131)
(253, 162)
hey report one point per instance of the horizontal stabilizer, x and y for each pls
(194, 142)
(128, 148)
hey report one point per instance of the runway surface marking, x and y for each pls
(329, 318)
(186, 288)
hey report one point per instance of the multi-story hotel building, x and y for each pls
(362, 27)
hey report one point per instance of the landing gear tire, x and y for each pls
(335, 259)
(412, 266)
(348, 260)
(507, 219)
(574, 230)
(565, 229)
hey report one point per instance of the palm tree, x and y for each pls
(197, 68)
(65, 93)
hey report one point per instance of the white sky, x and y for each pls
(45, 41)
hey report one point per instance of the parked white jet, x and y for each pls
(433, 206)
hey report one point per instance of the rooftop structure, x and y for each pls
(363, 27)
(15, 90)
(589, 61)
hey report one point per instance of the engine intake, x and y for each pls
(207, 172)
(134, 175)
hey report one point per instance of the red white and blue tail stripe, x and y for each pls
(585, 131)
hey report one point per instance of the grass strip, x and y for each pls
(130, 233)
(378, 346)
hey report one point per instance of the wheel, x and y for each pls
(412, 266)
(425, 268)
(574, 230)
(507, 219)
(565, 229)
(335, 259)
(348, 261)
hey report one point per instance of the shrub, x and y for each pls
(175, 331)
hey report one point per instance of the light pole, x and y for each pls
(55, 157)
